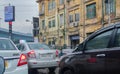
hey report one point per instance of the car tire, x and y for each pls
(68, 71)
(51, 70)
(32, 71)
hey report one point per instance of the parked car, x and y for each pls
(39, 56)
(98, 54)
(15, 62)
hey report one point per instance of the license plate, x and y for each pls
(6, 64)
(46, 55)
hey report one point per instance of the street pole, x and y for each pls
(83, 19)
(109, 7)
(64, 31)
(103, 13)
(10, 30)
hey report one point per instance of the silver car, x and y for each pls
(15, 62)
(39, 56)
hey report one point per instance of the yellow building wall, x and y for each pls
(74, 6)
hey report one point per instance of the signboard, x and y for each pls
(9, 13)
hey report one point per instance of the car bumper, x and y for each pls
(42, 64)
(19, 70)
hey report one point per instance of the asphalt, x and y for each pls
(46, 71)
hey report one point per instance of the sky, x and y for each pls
(24, 10)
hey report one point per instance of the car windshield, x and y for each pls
(36, 46)
(6, 45)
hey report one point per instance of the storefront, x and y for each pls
(74, 40)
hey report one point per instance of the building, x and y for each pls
(71, 21)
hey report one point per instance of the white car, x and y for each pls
(15, 62)
(39, 56)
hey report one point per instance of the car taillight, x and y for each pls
(31, 54)
(57, 53)
(22, 60)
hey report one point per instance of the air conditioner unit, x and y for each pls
(76, 24)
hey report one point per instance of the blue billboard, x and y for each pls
(9, 13)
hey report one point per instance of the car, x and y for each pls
(39, 56)
(97, 54)
(2, 65)
(15, 62)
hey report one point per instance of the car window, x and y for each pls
(79, 48)
(99, 41)
(117, 39)
(36, 46)
(6, 45)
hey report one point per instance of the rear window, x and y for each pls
(38, 46)
(6, 44)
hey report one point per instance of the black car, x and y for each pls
(98, 54)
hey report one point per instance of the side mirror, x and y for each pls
(2, 65)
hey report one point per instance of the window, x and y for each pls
(53, 23)
(43, 24)
(43, 8)
(61, 19)
(100, 41)
(117, 39)
(61, 2)
(49, 24)
(38, 46)
(51, 5)
(77, 16)
(6, 45)
(112, 7)
(70, 18)
(91, 11)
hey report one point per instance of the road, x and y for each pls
(46, 71)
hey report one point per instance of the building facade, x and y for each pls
(69, 22)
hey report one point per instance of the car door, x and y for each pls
(113, 54)
(95, 51)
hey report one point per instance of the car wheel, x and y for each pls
(32, 71)
(51, 70)
(68, 72)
